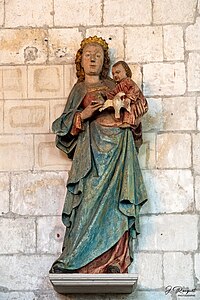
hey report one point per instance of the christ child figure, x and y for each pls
(132, 100)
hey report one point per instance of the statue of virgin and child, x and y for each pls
(105, 188)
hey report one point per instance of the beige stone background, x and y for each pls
(160, 39)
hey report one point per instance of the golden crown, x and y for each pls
(94, 39)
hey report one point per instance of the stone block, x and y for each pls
(50, 234)
(148, 265)
(196, 152)
(56, 109)
(47, 156)
(153, 119)
(164, 79)
(45, 82)
(196, 294)
(1, 13)
(16, 152)
(17, 235)
(173, 42)
(38, 193)
(197, 267)
(147, 151)
(114, 37)
(176, 265)
(38, 14)
(126, 12)
(149, 295)
(1, 116)
(1, 83)
(193, 36)
(136, 74)
(63, 44)
(169, 233)
(77, 13)
(26, 116)
(136, 295)
(25, 272)
(149, 38)
(173, 150)
(197, 192)
(19, 46)
(14, 82)
(198, 113)
(165, 12)
(4, 191)
(192, 294)
(194, 72)
(18, 295)
(69, 78)
(169, 191)
(179, 113)
(52, 295)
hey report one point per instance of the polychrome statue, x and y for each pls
(105, 188)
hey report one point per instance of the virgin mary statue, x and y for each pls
(105, 188)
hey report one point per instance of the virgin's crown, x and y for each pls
(94, 39)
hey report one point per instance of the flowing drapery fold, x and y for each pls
(105, 188)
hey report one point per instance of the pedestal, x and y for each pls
(94, 283)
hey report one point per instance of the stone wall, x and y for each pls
(160, 39)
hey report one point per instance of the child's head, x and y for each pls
(121, 70)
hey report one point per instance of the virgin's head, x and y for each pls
(92, 58)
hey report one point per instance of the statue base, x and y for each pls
(94, 283)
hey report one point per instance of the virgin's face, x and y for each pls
(92, 59)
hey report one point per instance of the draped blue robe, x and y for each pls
(105, 188)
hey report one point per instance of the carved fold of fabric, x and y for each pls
(139, 105)
(77, 126)
(118, 256)
(96, 223)
(128, 86)
(137, 135)
(138, 108)
(99, 220)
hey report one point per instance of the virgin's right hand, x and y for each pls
(89, 111)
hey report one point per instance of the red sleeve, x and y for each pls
(77, 124)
